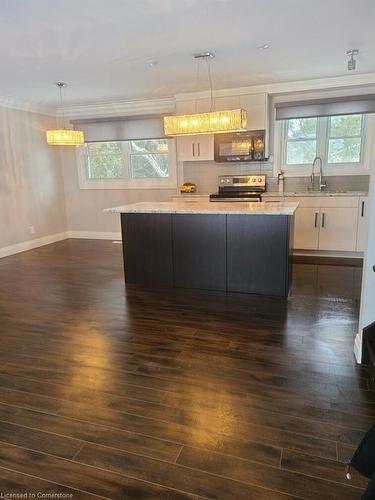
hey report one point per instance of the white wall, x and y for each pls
(367, 310)
(84, 207)
(31, 184)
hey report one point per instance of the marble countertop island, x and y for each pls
(207, 245)
(207, 207)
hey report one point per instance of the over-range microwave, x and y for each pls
(240, 146)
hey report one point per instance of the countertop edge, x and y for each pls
(214, 209)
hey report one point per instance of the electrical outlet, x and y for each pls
(32, 230)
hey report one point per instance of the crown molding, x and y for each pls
(337, 82)
(118, 107)
(30, 106)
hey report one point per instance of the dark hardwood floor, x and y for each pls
(135, 393)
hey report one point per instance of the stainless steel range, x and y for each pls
(240, 188)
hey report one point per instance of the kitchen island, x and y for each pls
(233, 247)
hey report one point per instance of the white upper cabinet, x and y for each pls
(227, 102)
(193, 106)
(201, 147)
(195, 148)
(256, 106)
(362, 232)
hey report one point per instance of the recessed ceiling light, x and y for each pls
(152, 64)
(264, 46)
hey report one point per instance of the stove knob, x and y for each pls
(253, 180)
(260, 179)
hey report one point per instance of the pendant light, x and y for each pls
(213, 122)
(64, 136)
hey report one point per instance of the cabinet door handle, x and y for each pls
(199, 148)
(316, 219)
(193, 148)
(323, 219)
(363, 209)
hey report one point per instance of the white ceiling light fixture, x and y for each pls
(64, 136)
(352, 63)
(213, 122)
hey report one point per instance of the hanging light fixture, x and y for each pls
(64, 136)
(213, 122)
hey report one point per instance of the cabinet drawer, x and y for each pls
(327, 201)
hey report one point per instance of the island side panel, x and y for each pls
(199, 251)
(147, 249)
(258, 254)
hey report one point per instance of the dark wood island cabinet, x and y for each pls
(233, 247)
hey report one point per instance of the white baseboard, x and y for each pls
(358, 348)
(53, 238)
(30, 244)
(95, 235)
(329, 253)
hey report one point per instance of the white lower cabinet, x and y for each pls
(330, 223)
(306, 228)
(338, 229)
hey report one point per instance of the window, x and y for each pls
(148, 159)
(301, 141)
(338, 140)
(147, 163)
(345, 139)
(104, 160)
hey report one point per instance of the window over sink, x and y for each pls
(340, 141)
(132, 164)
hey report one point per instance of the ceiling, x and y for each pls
(103, 48)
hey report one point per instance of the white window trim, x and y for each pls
(127, 182)
(336, 169)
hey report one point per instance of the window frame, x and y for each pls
(329, 169)
(127, 182)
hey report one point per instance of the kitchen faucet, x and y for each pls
(322, 184)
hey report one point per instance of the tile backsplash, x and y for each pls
(205, 175)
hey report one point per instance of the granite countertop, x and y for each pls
(297, 194)
(207, 207)
(274, 194)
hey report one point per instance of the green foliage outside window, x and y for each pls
(148, 159)
(104, 160)
(342, 143)
(301, 145)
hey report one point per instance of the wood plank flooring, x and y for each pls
(118, 392)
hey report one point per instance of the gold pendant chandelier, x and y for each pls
(64, 136)
(213, 122)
